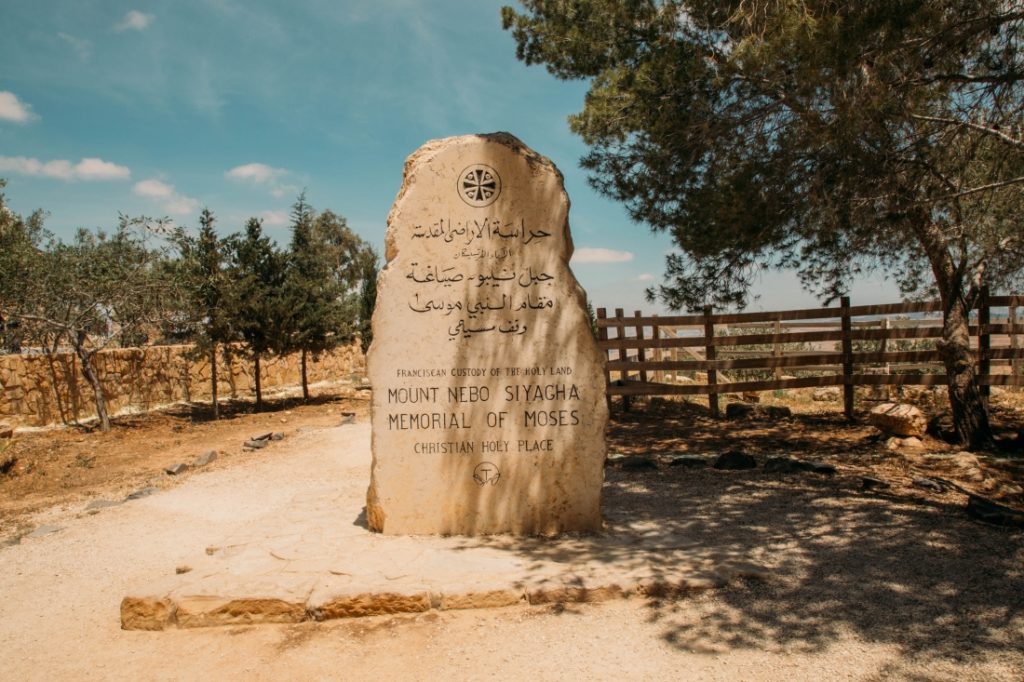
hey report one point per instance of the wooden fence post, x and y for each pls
(620, 330)
(1016, 366)
(641, 354)
(984, 340)
(602, 335)
(658, 353)
(709, 354)
(777, 349)
(848, 387)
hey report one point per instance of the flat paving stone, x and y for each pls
(310, 557)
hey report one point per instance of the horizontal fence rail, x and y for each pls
(646, 353)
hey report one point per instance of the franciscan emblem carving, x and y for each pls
(479, 185)
(485, 473)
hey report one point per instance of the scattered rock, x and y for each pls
(735, 460)
(993, 512)
(254, 444)
(182, 569)
(964, 459)
(277, 435)
(826, 394)
(748, 411)
(348, 418)
(176, 469)
(205, 458)
(973, 474)
(870, 483)
(144, 492)
(788, 465)
(688, 461)
(634, 462)
(44, 530)
(103, 504)
(263, 436)
(898, 419)
(929, 484)
(782, 465)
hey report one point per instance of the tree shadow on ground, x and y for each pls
(916, 574)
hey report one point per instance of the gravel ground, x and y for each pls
(859, 586)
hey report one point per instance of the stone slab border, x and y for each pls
(161, 613)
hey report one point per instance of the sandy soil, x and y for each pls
(898, 584)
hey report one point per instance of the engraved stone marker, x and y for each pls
(488, 388)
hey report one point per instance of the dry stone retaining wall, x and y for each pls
(36, 390)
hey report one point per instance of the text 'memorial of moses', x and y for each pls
(488, 387)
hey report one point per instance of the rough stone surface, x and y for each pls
(826, 394)
(205, 458)
(103, 504)
(141, 379)
(748, 411)
(146, 613)
(488, 400)
(898, 420)
(688, 461)
(209, 611)
(735, 460)
(142, 492)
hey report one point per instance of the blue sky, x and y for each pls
(162, 108)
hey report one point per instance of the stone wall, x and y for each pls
(36, 390)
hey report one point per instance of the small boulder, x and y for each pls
(143, 492)
(929, 484)
(748, 411)
(255, 444)
(871, 483)
(826, 394)
(735, 460)
(277, 435)
(205, 458)
(634, 462)
(898, 420)
(688, 461)
(176, 469)
(782, 465)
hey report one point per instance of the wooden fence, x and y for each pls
(844, 346)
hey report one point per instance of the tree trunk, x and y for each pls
(89, 372)
(305, 382)
(259, 387)
(213, 380)
(970, 413)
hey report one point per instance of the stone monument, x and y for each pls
(488, 388)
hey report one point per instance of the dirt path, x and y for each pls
(862, 587)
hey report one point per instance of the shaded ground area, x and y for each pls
(891, 584)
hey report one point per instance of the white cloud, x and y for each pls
(13, 109)
(165, 195)
(62, 169)
(81, 46)
(134, 20)
(275, 218)
(646, 277)
(262, 175)
(597, 255)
